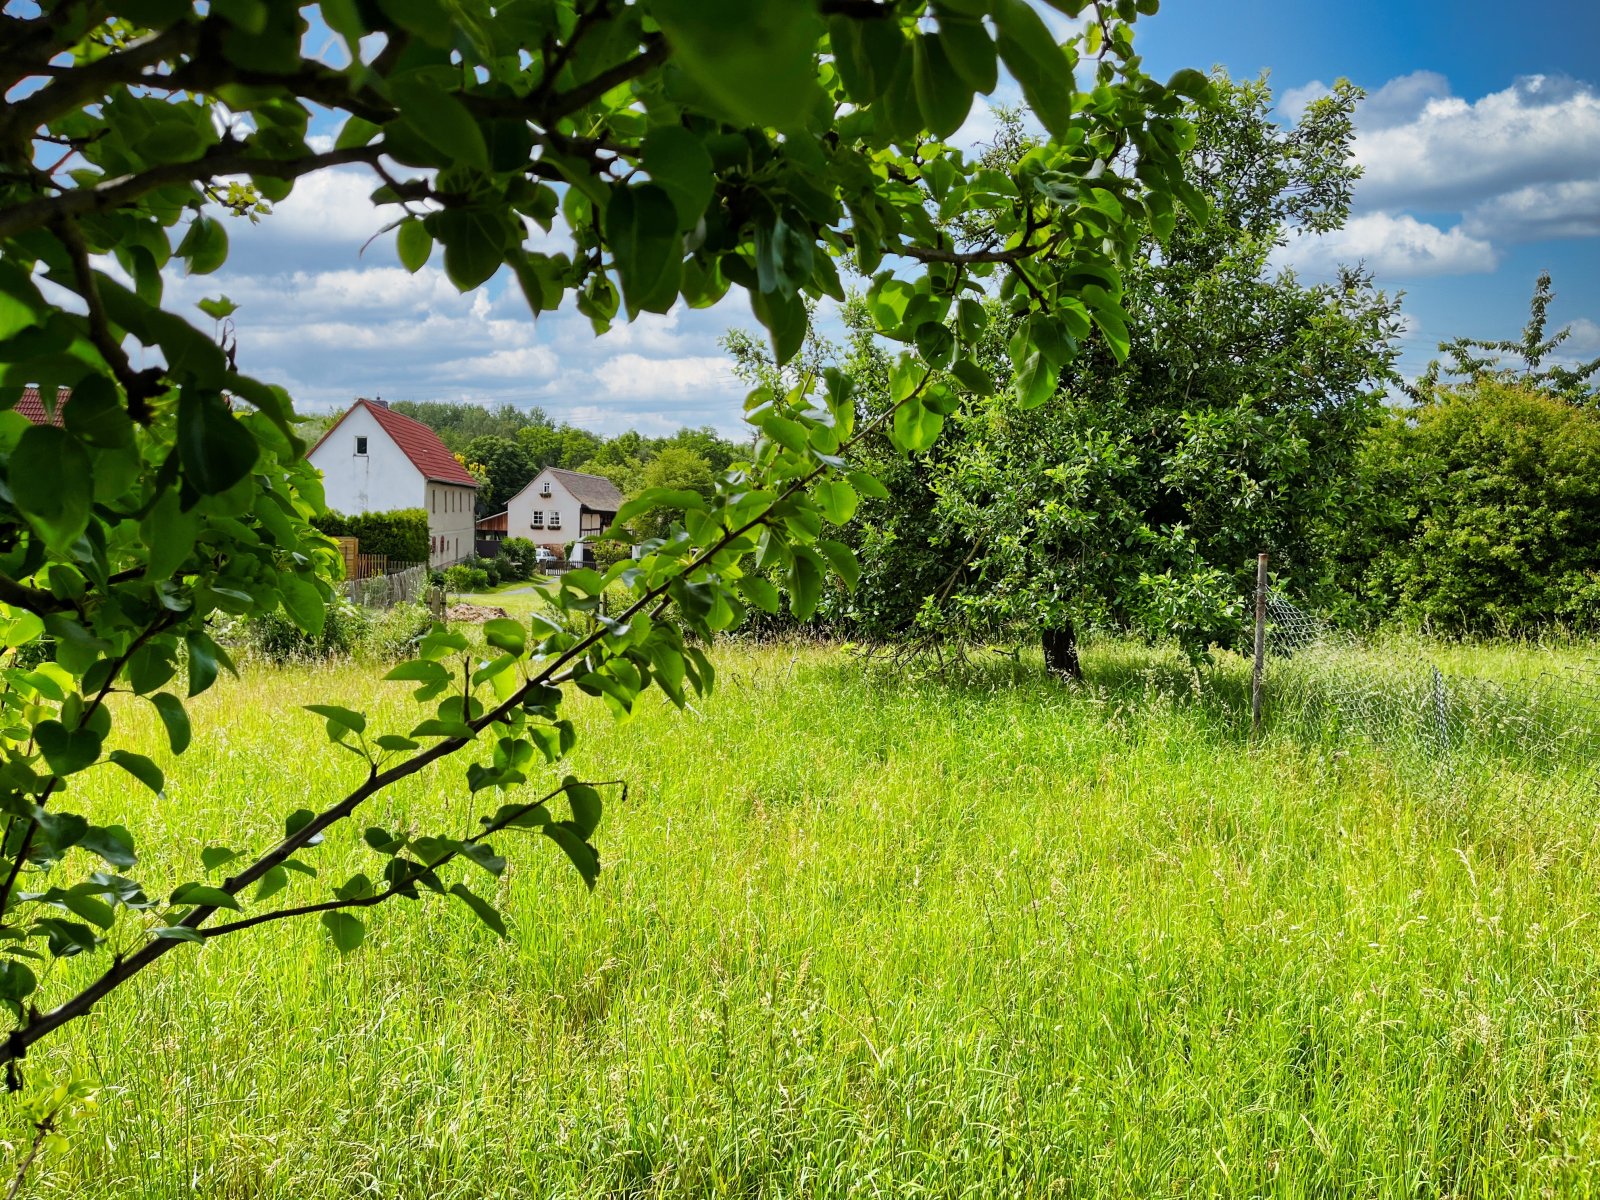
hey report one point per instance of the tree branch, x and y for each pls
(17, 1042)
(141, 386)
(565, 103)
(225, 158)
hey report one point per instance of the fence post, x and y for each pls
(1261, 646)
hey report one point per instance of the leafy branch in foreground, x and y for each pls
(686, 148)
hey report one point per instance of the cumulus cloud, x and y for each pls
(1393, 246)
(1450, 154)
(1559, 210)
(1585, 337)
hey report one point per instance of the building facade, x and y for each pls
(375, 460)
(558, 507)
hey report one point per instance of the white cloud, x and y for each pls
(1293, 102)
(1393, 246)
(1585, 337)
(1558, 210)
(1451, 154)
(697, 375)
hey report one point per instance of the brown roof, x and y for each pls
(32, 406)
(416, 441)
(494, 524)
(591, 491)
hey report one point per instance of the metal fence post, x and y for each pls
(1261, 645)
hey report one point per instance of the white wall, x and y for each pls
(452, 523)
(381, 480)
(521, 507)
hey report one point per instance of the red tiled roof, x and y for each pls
(416, 441)
(32, 406)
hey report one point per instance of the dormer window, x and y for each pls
(361, 445)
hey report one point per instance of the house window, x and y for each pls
(434, 496)
(555, 519)
(361, 445)
(591, 524)
(537, 521)
(544, 488)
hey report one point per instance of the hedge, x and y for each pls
(401, 535)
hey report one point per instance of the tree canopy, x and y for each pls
(685, 148)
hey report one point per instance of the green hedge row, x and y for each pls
(402, 534)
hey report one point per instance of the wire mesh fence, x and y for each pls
(1456, 731)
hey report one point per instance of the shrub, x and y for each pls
(401, 535)
(462, 578)
(517, 558)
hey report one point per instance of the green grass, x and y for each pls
(869, 935)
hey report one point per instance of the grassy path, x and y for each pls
(869, 937)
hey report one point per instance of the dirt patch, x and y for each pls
(475, 613)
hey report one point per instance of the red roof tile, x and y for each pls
(416, 441)
(32, 406)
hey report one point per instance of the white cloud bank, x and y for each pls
(1517, 165)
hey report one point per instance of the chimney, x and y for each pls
(379, 401)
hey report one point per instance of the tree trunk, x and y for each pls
(1061, 651)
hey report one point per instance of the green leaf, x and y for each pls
(344, 718)
(755, 58)
(96, 415)
(346, 931)
(805, 584)
(973, 377)
(213, 857)
(935, 343)
(215, 449)
(52, 484)
(177, 933)
(837, 499)
(1035, 381)
(1038, 64)
(843, 560)
(298, 820)
(67, 750)
(970, 52)
(17, 981)
(420, 669)
(441, 120)
(112, 843)
(475, 242)
(868, 485)
(584, 856)
(170, 709)
(203, 895)
(414, 244)
(482, 855)
(642, 231)
(505, 634)
(141, 768)
(205, 245)
(486, 911)
(273, 881)
(943, 96)
(217, 309)
(761, 593)
(302, 602)
(586, 806)
(677, 161)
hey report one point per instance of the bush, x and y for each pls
(462, 578)
(379, 635)
(1480, 514)
(517, 558)
(401, 535)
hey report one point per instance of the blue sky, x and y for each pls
(1480, 140)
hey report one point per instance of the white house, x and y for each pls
(559, 506)
(375, 460)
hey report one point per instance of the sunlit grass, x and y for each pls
(860, 933)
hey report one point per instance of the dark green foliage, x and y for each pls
(507, 467)
(1477, 512)
(401, 535)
